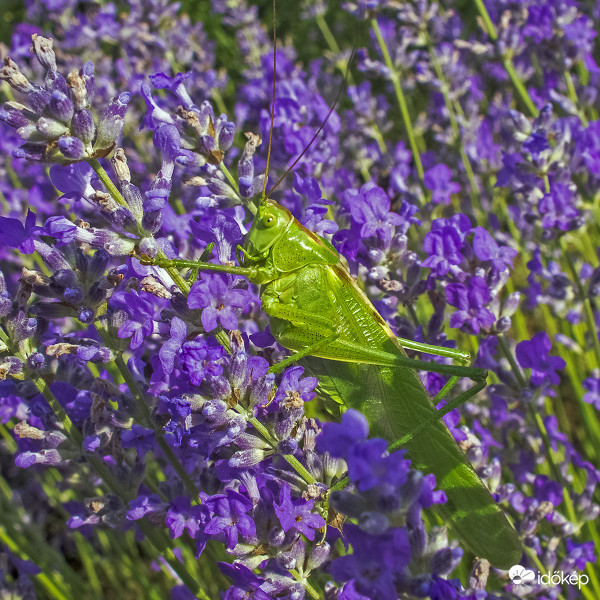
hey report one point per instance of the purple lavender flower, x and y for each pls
(229, 517)
(297, 514)
(201, 358)
(338, 438)
(246, 583)
(292, 389)
(486, 248)
(374, 562)
(217, 299)
(58, 126)
(141, 321)
(444, 242)
(534, 354)
(438, 180)
(369, 465)
(15, 234)
(370, 209)
(592, 396)
(472, 314)
(138, 437)
(182, 516)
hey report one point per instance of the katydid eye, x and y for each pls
(269, 221)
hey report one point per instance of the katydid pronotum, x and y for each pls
(317, 310)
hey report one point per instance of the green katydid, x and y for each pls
(317, 309)
(315, 305)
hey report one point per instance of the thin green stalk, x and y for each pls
(511, 360)
(519, 86)
(70, 430)
(143, 413)
(406, 118)
(491, 30)
(10, 541)
(587, 306)
(189, 485)
(107, 181)
(307, 586)
(506, 60)
(475, 191)
(216, 96)
(233, 183)
(292, 460)
(155, 539)
(573, 97)
(550, 461)
(83, 549)
(540, 566)
(104, 472)
(343, 67)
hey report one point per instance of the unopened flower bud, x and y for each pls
(83, 126)
(61, 107)
(71, 148)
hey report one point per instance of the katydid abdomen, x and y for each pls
(319, 300)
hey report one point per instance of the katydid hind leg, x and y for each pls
(460, 356)
(347, 350)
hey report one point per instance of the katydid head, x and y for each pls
(269, 225)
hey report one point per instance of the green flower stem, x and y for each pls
(218, 98)
(519, 86)
(344, 482)
(292, 460)
(587, 306)
(475, 191)
(86, 555)
(143, 414)
(343, 67)
(233, 183)
(511, 361)
(107, 181)
(573, 97)
(307, 586)
(550, 460)
(507, 60)
(395, 78)
(590, 421)
(12, 541)
(329, 38)
(26, 541)
(70, 430)
(489, 26)
(540, 566)
(157, 541)
(190, 487)
(104, 472)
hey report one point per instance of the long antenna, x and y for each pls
(264, 190)
(316, 135)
